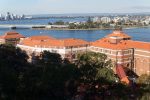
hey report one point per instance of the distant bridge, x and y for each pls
(19, 26)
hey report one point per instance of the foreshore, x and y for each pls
(89, 28)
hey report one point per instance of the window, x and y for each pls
(130, 51)
(126, 52)
(119, 53)
(106, 51)
(100, 50)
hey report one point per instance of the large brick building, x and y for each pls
(132, 55)
(67, 48)
(118, 46)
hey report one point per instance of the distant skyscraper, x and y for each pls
(8, 16)
(1, 17)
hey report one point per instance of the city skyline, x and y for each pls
(74, 6)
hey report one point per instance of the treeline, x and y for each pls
(60, 22)
(52, 78)
(83, 25)
(89, 24)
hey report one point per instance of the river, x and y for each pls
(138, 34)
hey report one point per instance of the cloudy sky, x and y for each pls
(73, 6)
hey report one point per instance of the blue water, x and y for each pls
(43, 21)
(139, 34)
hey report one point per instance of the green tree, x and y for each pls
(72, 26)
(144, 79)
(47, 78)
(59, 23)
(89, 20)
(50, 58)
(94, 66)
(13, 63)
(51, 77)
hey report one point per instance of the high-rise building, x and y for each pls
(8, 16)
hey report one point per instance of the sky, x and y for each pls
(73, 6)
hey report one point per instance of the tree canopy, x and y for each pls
(54, 78)
(94, 66)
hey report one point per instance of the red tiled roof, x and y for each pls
(105, 43)
(139, 44)
(47, 41)
(121, 73)
(125, 80)
(73, 42)
(41, 37)
(1, 37)
(11, 35)
(118, 34)
(123, 44)
(53, 42)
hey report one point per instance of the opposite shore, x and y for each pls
(90, 28)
